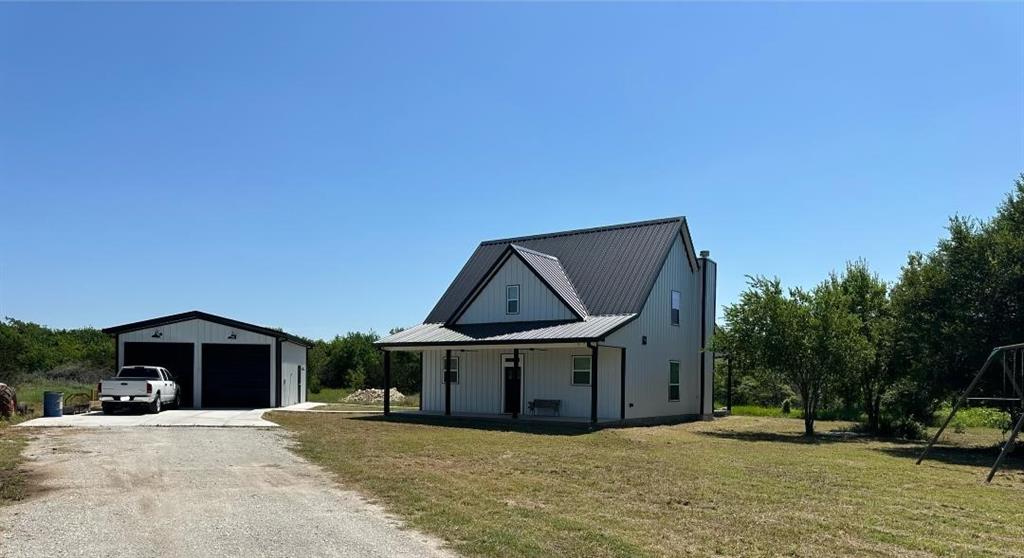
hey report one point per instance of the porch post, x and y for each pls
(447, 382)
(387, 383)
(728, 392)
(622, 387)
(593, 383)
(519, 381)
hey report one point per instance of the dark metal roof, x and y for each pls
(591, 329)
(612, 269)
(197, 315)
(551, 272)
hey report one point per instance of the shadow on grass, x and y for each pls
(977, 456)
(477, 423)
(787, 437)
(952, 455)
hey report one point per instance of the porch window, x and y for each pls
(581, 367)
(451, 370)
(675, 308)
(673, 380)
(512, 299)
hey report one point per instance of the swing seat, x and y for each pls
(996, 401)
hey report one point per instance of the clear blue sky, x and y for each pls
(329, 167)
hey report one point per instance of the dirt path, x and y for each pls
(191, 492)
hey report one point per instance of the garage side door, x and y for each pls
(176, 357)
(236, 375)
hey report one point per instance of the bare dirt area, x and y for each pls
(190, 492)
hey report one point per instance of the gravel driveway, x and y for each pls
(191, 492)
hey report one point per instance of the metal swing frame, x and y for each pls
(1017, 351)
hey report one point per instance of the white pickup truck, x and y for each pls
(149, 387)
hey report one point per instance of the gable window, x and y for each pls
(512, 299)
(673, 380)
(581, 367)
(451, 369)
(675, 308)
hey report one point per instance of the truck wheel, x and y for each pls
(177, 400)
(108, 408)
(155, 407)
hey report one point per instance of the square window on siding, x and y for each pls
(581, 368)
(673, 381)
(675, 307)
(452, 369)
(512, 299)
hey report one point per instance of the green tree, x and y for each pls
(838, 349)
(406, 369)
(952, 305)
(867, 297)
(807, 339)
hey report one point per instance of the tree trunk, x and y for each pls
(805, 401)
(808, 424)
(810, 410)
(872, 394)
(875, 413)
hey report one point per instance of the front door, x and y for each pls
(513, 381)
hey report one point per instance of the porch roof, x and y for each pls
(593, 328)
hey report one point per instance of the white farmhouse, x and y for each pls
(601, 325)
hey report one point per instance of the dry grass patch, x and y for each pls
(740, 486)
(12, 478)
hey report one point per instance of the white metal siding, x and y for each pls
(199, 332)
(536, 301)
(293, 356)
(479, 389)
(647, 365)
(547, 374)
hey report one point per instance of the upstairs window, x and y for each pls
(581, 367)
(673, 380)
(451, 369)
(512, 299)
(675, 308)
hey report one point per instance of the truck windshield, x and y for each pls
(139, 372)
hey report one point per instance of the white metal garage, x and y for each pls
(218, 362)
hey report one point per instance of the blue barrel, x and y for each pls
(53, 403)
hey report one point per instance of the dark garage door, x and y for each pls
(176, 357)
(236, 375)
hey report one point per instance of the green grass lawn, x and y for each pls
(739, 486)
(32, 392)
(329, 395)
(969, 417)
(795, 413)
(338, 395)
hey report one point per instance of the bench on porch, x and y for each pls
(553, 404)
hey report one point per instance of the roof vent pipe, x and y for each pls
(705, 253)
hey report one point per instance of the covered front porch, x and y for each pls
(527, 419)
(574, 382)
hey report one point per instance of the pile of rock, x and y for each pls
(373, 395)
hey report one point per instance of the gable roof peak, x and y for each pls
(525, 250)
(611, 269)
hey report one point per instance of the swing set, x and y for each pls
(1009, 397)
